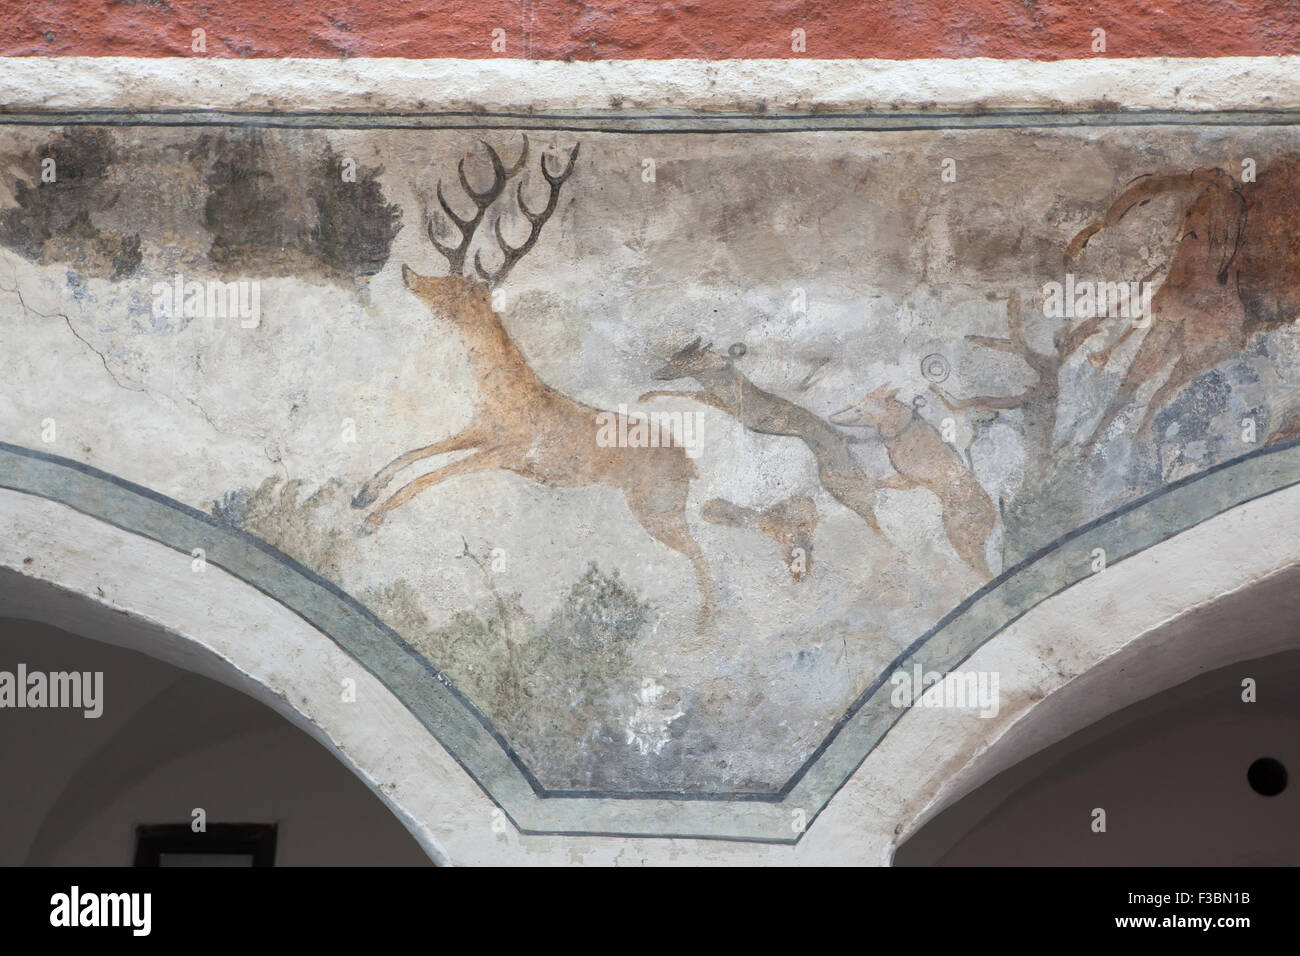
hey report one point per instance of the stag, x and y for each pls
(1235, 271)
(520, 424)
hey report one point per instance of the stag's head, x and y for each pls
(462, 293)
(452, 296)
(690, 361)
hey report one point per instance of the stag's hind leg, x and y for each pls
(1205, 339)
(479, 462)
(1153, 354)
(369, 492)
(1182, 373)
(665, 519)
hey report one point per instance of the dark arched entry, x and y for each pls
(165, 743)
(1194, 775)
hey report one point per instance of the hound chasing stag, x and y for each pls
(726, 388)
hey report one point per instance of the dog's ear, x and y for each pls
(845, 416)
(686, 351)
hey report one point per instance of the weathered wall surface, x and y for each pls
(633, 29)
(911, 374)
(689, 619)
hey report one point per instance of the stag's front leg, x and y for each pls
(423, 483)
(370, 490)
(1101, 358)
(1153, 355)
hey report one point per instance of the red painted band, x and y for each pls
(646, 29)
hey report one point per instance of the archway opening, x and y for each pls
(136, 747)
(1200, 774)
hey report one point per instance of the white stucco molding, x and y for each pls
(627, 86)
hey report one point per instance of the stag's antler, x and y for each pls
(536, 220)
(482, 200)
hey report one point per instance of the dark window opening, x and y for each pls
(222, 844)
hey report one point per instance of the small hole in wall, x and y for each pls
(1267, 777)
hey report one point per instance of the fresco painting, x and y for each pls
(660, 448)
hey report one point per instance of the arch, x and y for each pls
(64, 569)
(78, 780)
(1158, 768)
(86, 576)
(1222, 592)
(137, 588)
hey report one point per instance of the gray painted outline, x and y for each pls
(630, 121)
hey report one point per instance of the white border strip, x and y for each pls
(623, 86)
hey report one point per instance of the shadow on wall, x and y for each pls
(1185, 778)
(75, 788)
